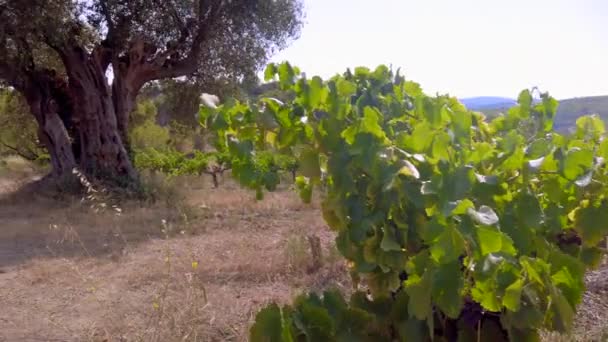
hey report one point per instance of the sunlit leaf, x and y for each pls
(484, 215)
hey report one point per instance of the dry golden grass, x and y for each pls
(195, 266)
(196, 269)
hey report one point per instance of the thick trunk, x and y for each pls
(102, 150)
(86, 125)
(43, 96)
(124, 94)
(57, 141)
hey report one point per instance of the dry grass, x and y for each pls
(14, 172)
(195, 270)
(194, 267)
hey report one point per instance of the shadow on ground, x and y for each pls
(36, 220)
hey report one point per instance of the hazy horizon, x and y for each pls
(465, 48)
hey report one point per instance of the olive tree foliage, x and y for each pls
(18, 133)
(145, 132)
(80, 64)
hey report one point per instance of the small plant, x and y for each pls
(462, 229)
(297, 253)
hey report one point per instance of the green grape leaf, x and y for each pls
(286, 75)
(602, 150)
(267, 120)
(512, 142)
(368, 124)
(590, 126)
(448, 283)
(389, 242)
(534, 268)
(317, 92)
(362, 72)
(592, 223)
(484, 293)
(419, 140)
(269, 72)
(576, 163)
(413, 89)
(441, 146)
(529, 210)
(525, 99)
(492, 240)
(462, 121)
(425, 107)
(304, 188)
(512, 298)
(458, 183)
(592, 257)
(480, 151)
(567, 275)
(563, 312)
(448, 247)
(514, 162)
(462, 207)
(346, 88)
(309, 164)
(419, 290)
(314, 321)
(268, 326)
(539, 148)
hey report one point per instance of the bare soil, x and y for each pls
(195, 267)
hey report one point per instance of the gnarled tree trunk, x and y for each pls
(124, 94)
(102, 150)
(84, 123)
(46, 99)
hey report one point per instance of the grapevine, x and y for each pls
(460, 228)
(174, 163)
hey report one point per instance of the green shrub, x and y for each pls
(150, 135)
(461, 229)
(18, 132)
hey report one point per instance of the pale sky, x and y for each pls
(462, 47)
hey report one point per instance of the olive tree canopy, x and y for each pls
(81, 63)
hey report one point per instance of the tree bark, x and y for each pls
(43, 94)
(124, 102)
(125, 88)
(102, 150)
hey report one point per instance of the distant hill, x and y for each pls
(571, 109)
(487, 102)
(568, 111)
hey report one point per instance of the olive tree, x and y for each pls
(80, 64)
